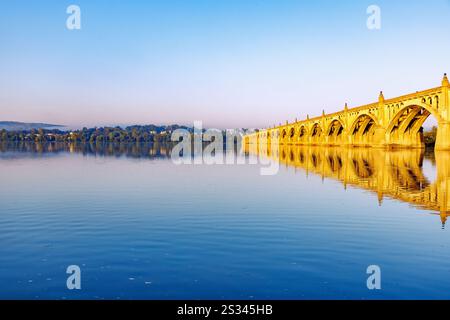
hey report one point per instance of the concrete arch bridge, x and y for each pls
(387, 123)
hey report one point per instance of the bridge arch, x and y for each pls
(292, 136)
(303, 134)
(405, 127)
(284, 135)
(362, 130)
(334, 132)
(316, 133)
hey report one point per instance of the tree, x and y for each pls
(429, 137)
(4, 135)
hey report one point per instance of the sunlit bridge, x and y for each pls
(388, 123)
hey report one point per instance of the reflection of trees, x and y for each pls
(132, 150)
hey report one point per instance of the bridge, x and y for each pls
(387, 123)
(394, 174)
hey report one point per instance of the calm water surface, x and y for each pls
(141, 227)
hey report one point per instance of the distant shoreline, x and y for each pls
(16, 125)
(137, 133)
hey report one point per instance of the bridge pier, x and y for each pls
(407, 140)
(443, 137)
(379, 137)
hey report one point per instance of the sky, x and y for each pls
(228, 63)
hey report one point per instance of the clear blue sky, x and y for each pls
(228, 63)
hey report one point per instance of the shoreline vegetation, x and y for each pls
(133, 134)
(429, 137)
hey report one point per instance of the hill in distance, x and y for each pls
(17, 126)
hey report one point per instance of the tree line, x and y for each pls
(147, 133)
(429, 137)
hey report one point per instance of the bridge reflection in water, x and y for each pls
(395, 174)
